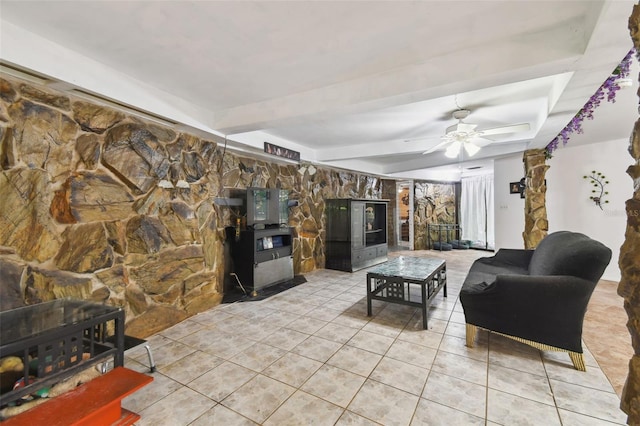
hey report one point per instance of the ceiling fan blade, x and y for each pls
(461, 127)
(435, 148)
(505, 129)
(471, 149)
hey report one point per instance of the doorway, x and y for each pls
(404, 216)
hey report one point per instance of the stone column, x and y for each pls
(629, 261)
(535, 209)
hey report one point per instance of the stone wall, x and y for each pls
(100, 205)
(389, 193)
(536, 224)
(629, 260)
(434, 202)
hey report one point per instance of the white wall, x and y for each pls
(568, 204)
(508, 208)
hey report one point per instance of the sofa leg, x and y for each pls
(471, 334)
(578, 361)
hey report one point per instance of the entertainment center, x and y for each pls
(262, 252)
(356, 233)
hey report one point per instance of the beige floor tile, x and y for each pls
(150, 394)
(588, 401)
(446, 390)
(384, 404)
(351, 297)
(307, 324)
(323, 313)
(221, 415)
(258, 356)
(433, 324)
(371, 342)
(401, 375)
(592, 378)
(210, 317)
(178, 408)
(458, 346)
(204, 338)
(259, 330)
(352, 419)
(191, 366)
(456, 329)
(258, 398)
(421, 337)
(500, 409)
(314, 299)
(430, 413)
(286, 338)
(461, 367)
(351, 320)
(305, 409)
(412, 353)
(221, 381)
(228, 346)
(182, 329)
(530, 386)
(334, 384)
(317, 348)
(171, 353)
(457, 317)
(336, 332)
(355, 360)
(292, 369)
(384, 328)
(280, 318)
(155, 342)
(569, 418)
(515, 355)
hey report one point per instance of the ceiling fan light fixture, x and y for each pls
(453, 150)
(471, 149)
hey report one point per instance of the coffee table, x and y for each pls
(411, 281)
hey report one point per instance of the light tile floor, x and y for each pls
(311, 356)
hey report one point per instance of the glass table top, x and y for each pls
(28, 321)
(413, 268)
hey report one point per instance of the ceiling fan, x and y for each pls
(465, 135)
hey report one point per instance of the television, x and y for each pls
(267, 207)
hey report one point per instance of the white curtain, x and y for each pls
(476, 210)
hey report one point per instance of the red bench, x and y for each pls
(95, 403)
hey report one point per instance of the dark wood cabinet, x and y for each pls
(356, 233)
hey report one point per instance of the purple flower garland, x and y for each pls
(608, 89)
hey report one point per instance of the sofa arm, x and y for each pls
(545, 309)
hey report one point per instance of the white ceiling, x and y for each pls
(362, 85)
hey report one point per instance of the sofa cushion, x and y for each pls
(570, 253)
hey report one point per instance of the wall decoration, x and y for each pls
(281, 152)
(517, 187)
(598, 181)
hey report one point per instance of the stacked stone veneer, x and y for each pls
(629, 260)
(433, 203)
(536, 224)
(99, 205)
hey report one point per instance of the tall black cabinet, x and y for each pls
(356, 233)
(262, 252)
